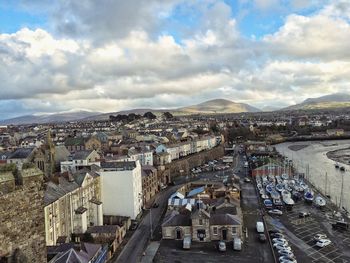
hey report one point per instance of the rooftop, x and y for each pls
(119, 166)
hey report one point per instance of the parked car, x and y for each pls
(285, 259)
(275, 212)
(280, 241)
(260, 227)
(187, 242)
(237, 244)
(222, 246)
(262, 238)
(247, 180)
(318, 237)
(282, 247)
(304, 214)
(286, 253)
(323, 242)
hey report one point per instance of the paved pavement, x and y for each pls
(300, 234)
(134, 249)
(150, 252)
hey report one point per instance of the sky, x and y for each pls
(113, 55)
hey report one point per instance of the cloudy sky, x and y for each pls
(110, 55)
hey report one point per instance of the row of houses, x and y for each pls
(190, 147)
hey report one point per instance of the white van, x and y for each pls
(260, 227)
(237, 244)
(187, 242)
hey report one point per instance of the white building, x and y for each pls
(121, 185)
(79, 160)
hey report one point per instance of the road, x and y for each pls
(256, 251)
(133, 250)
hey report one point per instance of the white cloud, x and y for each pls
(42, 71)
(319, 37)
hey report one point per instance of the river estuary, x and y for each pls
(314, 159)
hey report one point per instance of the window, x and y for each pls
(234, 231)
(215, 230)
(200, 222)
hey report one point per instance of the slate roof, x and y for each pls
(224, 219)
(55, 191)
(176, 219)
(21, 153)
(81, 155)
(110, 229)
(87, 252)
(80, 175)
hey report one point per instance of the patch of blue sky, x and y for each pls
(255, 23)
(13, 19)
(182, 21)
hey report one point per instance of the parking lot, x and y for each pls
(171, 251)
(300, 233)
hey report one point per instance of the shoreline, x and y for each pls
(340, 156)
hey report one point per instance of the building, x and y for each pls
(75, 144)
(206, 213)
(203, 224)
(79, 160)
(72, 203)
(21, 156)
(121, 184)
(335, 132)
(85, 253)
(22, 232)
(112, 235)
(150, 184)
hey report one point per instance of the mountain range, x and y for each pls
(216, 106)
(332, 101)
(209, 107)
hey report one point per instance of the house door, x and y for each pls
(224, 234)
(178, 234)
(201, 234)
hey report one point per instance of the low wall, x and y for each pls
(182, 167)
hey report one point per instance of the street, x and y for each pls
(133, 250)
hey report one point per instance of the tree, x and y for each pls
(149, 115)
(167, 115)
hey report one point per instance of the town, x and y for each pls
(164, 188)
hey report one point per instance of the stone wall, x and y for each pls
(22, 232)
(183, 167)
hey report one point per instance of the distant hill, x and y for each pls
(332, 101)
(49, 118)
(218, 106)
(209, 107)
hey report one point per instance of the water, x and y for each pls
(314, 155)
